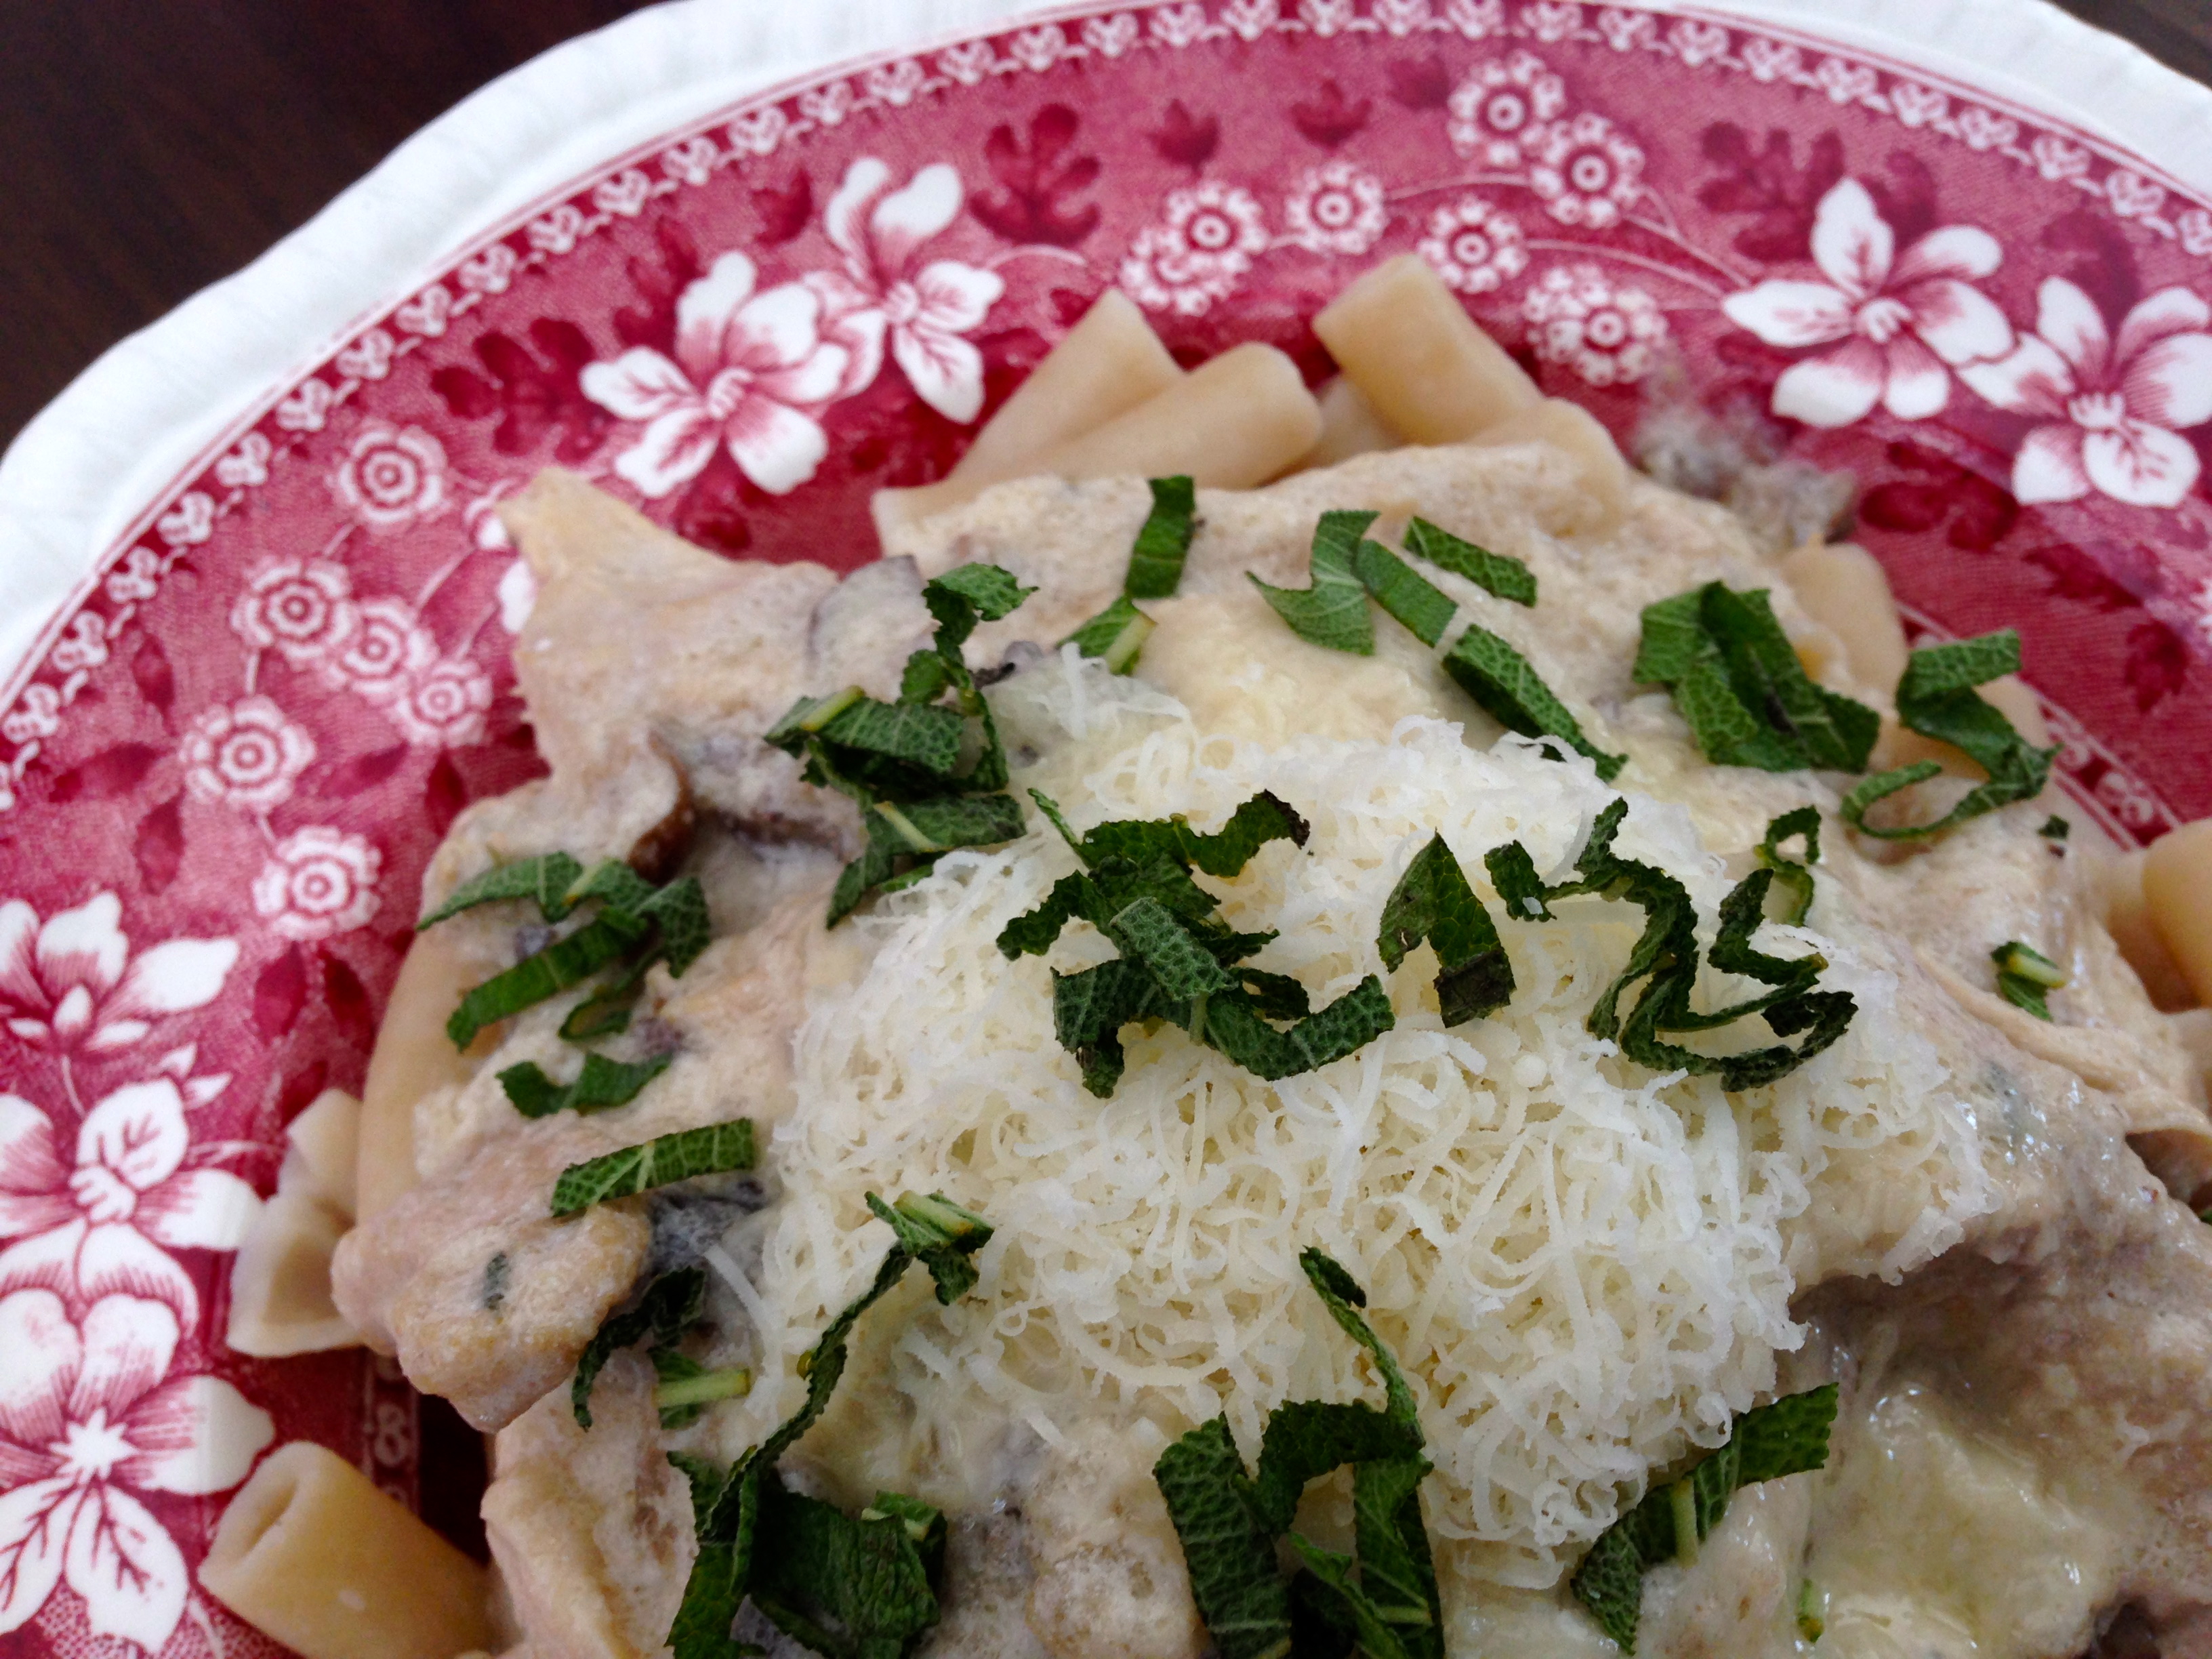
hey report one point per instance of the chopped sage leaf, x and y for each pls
(602, 1084)
(938, 1234)
(1936, 698)
(1331, 610)
(853, 1587)
(1737, 681)
(671, 1305)
(985, 591)
(569, 961)
(606, 1011)
(1399, 589)
(1805, 821)
(686, 1387)
(1789, 1437)
(1502, 575)
(921, 734)
(1500, 679)
(711, 1149)
(1115, 635)
(1812, 1611)
(2055, 827)
(545, 879)
(1384, 1598)
(1665, 962)
(2025, 977)
(1432, 900)
(1156, 560)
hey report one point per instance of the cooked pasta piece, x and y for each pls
(1574, 430)
(311, 1554)
(2141, 939)
(323, 1147)
(1846, 590)
(2176, 887)
(280, 1281)
(1108, 363)
(1349, 427)
(1230, 422)
(1404, 340)
(412, 1057)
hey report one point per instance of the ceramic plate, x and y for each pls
(224, 766)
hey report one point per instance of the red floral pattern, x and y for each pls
(252, 726)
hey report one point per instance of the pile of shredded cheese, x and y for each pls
(1585, 1267)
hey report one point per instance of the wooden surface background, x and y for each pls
(148, 147)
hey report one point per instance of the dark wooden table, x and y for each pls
(148, 147)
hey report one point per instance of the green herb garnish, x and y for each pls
(671, 1305)
(1432, 900)
(602, 1084)
(1737, 681)
(686, 1387)
(1331, 612)
(1115, 635)
(2025, 977)
(847, 1586)
(546, 879)
(1502, 575)
(711, 1149)
(900, 762)
(1787, 1436)
(2055, 827)
(1384, 1598)
(1788, 873)
(1512, 693)
(1666, 958)
(1414, 600)
(1155, 560)
(1179, 961)
(1936, 698)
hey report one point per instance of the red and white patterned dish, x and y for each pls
(223, 767)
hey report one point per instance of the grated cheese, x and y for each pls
(1585, 1267)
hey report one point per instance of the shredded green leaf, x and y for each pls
(900, 763)
(1331, 610)
(566, 961)
(1936, 698)
(711, 1149)
(1665, 962)
(1156, 560)
(2055, 827)
(1787, 1436)
(1179, 960)
(1432, 900)
(2025, 977)
(1399, 589)
(1737, 681)
(544, 880)
(1502, 575)
(1788, 873)
(686, 1387)
(847, 1586)
(671, 1305)
(602, 1084)
(1499, 678)
(1384, 1598)
(1115, 635)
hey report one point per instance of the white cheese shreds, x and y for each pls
(1585, 1267)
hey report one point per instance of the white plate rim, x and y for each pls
(79, 479)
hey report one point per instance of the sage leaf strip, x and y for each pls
(1433, 901)
(671, 1305)
(1502, 682)
(1497, 573)
(601, 1084)
(1331, 612)
(545, 880)
(1157, 559)
(711, 1149)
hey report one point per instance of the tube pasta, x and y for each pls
(1108, 363)
(311, 1554)
(1846, 590)
(1349, 427)
(1235, 420)
(412, 1057)
(280, 1281)
(1404, 339)
(2128, 919)
(2177, 891)
(1573, 429)
(322, 1158)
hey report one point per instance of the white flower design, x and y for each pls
(1199, 252)
(98, 1227)
(748, 367)
(1473, 246)
(1503, 104)
(518, 596)
(443, 706)
(318, 882)
(1895, 324)
(2112, 405)
(302, 607)
(88, 1417)
(73, 982)
(1587, 172)
(884, 291)
(385, 652)
(392, 475)
(1608, 335)
(246, 755)
(1336, 208)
